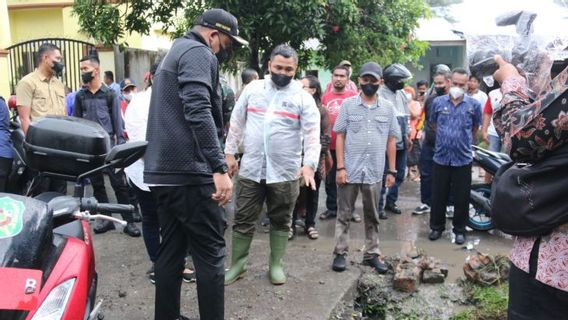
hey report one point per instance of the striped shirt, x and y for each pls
(366, 130)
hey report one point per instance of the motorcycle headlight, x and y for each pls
(54, 305)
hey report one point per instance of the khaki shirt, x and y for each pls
(44, 96)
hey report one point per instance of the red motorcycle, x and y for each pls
(47, 262)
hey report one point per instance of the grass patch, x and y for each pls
(490, 303)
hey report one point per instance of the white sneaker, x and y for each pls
(450, 212)
(422, 209)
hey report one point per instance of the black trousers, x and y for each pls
(119, 185)
(5, 168)
(331, 186)
(530, 299)
(190, 219)
(311, 202)
(150, 224)
(458, 180)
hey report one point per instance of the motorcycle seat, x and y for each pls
(72, 229)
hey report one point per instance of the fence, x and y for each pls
(23, 59)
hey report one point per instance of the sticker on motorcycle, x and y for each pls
(11, 217)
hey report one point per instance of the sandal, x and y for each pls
(291, 233)
(326, 215)
(312, 233)
(188, 275)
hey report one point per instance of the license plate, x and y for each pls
(19, 288)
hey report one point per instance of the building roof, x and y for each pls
(438, 30)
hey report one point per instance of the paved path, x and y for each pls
(312, 290)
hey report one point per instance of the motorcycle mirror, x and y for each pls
(123, 155)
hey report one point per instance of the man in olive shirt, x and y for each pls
(41, 93)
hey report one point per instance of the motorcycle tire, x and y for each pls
(478, 218)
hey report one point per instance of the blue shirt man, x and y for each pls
(455, 119)
(454, 129)
(5, 145)
(5, 139)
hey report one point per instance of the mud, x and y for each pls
(313, 290)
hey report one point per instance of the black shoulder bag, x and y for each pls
(531, 199)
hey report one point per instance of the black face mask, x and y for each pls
(280, 80)
(224, 54)
(87, 77)
(369, 89)
(395, 86)
(57, 67)
(440, 91)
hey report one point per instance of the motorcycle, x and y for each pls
(479, 203)
(47, 261)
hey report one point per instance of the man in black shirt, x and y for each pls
(185, 166)
(99, 104)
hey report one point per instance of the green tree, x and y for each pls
(359, 30)
(374, 30)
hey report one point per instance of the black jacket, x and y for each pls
(429, 133)
(186, 118)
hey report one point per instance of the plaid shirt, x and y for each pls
(366, 130)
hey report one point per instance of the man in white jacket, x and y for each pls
(271, 119)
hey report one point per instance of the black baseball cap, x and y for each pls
(371, 69)
(223, 21)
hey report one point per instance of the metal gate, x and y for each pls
(23, 59)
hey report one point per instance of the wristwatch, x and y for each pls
(222, 169)
(392, 172)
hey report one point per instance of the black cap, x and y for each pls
(371, 69)
(223, 21)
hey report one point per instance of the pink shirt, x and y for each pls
(332, 102)
(552, 264)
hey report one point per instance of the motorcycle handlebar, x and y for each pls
(91, 205)
(114, 208)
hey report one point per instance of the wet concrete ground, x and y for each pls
(313, 289)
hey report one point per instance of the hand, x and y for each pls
(505, 71)
(308, 174)
(223, 188)
(389, 181)
(341, 177)
(485, 137)
(232, 164)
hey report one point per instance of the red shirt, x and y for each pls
(332, 102)
(488, 109)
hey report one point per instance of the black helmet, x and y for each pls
(396, 72)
